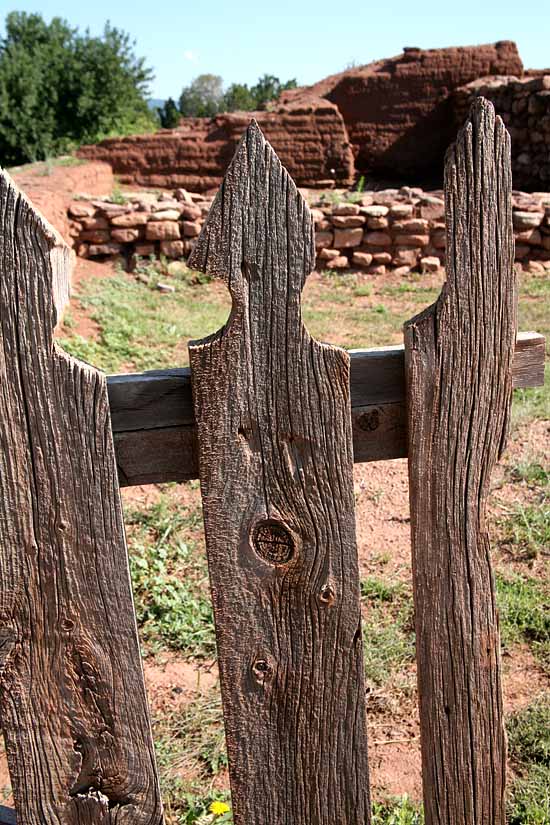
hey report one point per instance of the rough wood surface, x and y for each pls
(154, 423)
(72, 698)
(275, 453)
(459, 356)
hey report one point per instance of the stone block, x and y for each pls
(125, 235)
(412, 240)
(378, 239)
(95, 235)
(348, 221)
(172, 249)
(375, 211)
(346, 209)
(346, 238)
(430, 264)
(130, 219)
(341, 262)
(414, 226)
(104, 249)
(526, 220)
(81, 210)
(363, 259)
(328, 254)
(162, 231)
(191, 229)
(165, 215)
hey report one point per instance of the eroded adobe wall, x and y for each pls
(399, 111)
(310, 138)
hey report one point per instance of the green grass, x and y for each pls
(534, 299)
(190, 750)
(524, 608)
(45, 167)
(397, 812)
(529, 750)
(170, 580)
(388, 633)
(141, 328)
(525, 529)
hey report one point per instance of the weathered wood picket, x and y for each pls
(274, 425)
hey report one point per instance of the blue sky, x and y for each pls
(241, 40)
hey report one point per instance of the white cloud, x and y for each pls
(190, 55)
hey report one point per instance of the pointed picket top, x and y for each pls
(275, 455)
(258, 215)
(478, 190)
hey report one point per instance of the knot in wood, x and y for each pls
(369, 420)
(273, 542)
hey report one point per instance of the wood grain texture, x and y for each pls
(72, 698)
(459, 357)
(154, 425)
(275, 452)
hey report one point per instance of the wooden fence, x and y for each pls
(274, 425)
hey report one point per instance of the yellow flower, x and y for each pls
(218, 808)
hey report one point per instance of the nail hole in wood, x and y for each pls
(327, 596)
(261, 669)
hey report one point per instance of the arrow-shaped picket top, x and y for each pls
(275, 452)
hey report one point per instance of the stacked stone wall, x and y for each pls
(524, 106)
(402, 230)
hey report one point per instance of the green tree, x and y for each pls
(59, 88)
(268, 89)
(239, 98)
(169, 114)
(203, 97)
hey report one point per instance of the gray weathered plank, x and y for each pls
(275, 454)
(154, 423)
(459, 356)
(72, 698)
(7, 815)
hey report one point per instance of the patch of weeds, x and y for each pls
(170, 580)
(141, 328)
(118, 196)
(529, 750)
(45, 167)
(363, 290)
(532, 473)
(527, 529)
(388, 632)
(524, 608)
(397, 812)
(184, 807)
(190, 749)
(534, 296)
(330, 197)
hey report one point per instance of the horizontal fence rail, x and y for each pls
(154, 423)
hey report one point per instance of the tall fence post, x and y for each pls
(459, 380)
(275, 453)
(72, 699)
